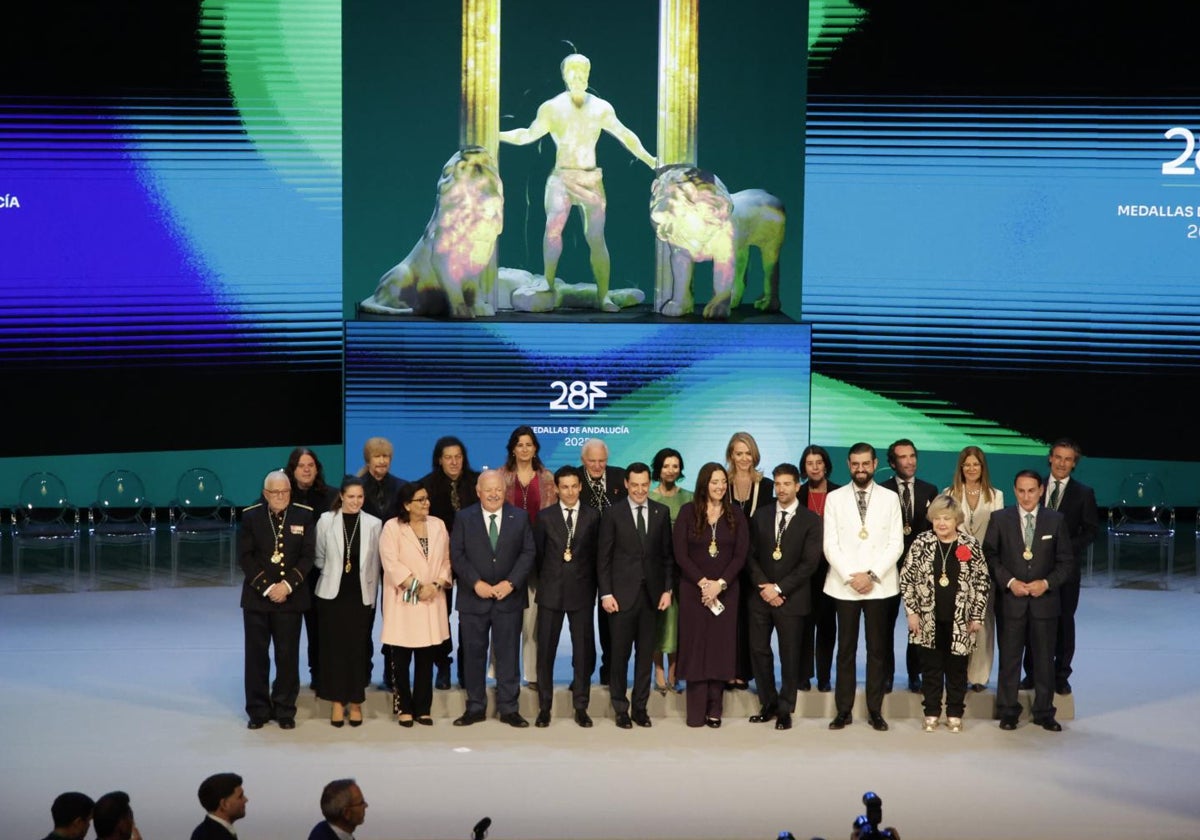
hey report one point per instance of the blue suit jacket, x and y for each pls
(473, 560)
(322, 831)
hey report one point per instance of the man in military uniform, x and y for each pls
(275, 547)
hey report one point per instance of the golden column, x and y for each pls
(479, 114)
(678, 85)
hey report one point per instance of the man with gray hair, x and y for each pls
(276, 545)
(344, 809)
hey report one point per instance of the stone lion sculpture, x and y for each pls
(446, 271)
(692, 211)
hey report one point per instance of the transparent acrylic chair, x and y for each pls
(1141, 517)
(122, 518)
(200, 514)
(44, 519)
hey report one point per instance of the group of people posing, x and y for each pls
(690, 585)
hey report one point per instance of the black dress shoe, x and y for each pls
(543, 719)
(256, 723)
(582, 718)
(1008, 724)
(287, 723)
(442, 683)
(784, 721)
(1027, 682)
(877, 722)
(623, 721)
(1050, 724)
(514, 720)
(805, 685)
(843, 720)
(642, 719)
(765, 715)
(407, 724)
(914, 685)
(977, 687)
(469, 718)
(532, 686)
(824, 687)
(424, 720)
(712, 723)
(1062, 687)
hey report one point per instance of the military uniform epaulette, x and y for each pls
(252, 507)
(306, 507)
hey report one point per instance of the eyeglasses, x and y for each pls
(278, 492)
(422, 500)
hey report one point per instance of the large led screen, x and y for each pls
(1002, 223)
(170, 235)
(638, 386)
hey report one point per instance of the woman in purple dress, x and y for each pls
(711, 538)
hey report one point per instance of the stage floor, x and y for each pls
(141, 691)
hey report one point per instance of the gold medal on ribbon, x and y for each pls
(862, 534)
(277, 557)
(712, 549)
(347, 567)
(943, 580)
(907, 530)
(567, 556)
(1028, 554)
(776, 554)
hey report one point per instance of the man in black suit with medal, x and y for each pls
(1029, 553)
(915, 498)
(565, 537)
(635, 570)
(491, 552)
(785, 550)
(276, 545)
(602, 487)
(1077, 504)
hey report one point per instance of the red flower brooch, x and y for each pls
(962, 553)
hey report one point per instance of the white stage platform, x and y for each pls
(141, 691)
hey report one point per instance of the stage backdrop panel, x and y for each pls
(639, 386)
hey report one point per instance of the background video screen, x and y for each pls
(1002, 224)
(170, 236)
(640, 387)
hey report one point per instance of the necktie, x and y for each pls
(862, 503)
(906, 500)
(1028, 530)
(782, 525)
(493, 530)
(570, 519)
(1055, 493)
(641, 521)
(454, 502)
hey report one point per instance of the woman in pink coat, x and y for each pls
(415, 550)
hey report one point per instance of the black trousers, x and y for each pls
(605, 636)
(416, 698)
(762, 619)
(820, 634)
(503, 628)
(1017, 633)
(583, 653)
(941, 668)
(265, 630)
(633, 626)
(874, 615)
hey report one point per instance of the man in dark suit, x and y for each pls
(1029, 553)
(1077, 504)
(565, 537)
(72, 815)
(602, 487)
(785, 551)
(276, 545)
(491, 552)
(224, 802)
(915, 498)
(344, 809)
(635, 568)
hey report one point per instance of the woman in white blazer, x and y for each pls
(347, 554)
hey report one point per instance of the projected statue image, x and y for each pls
(444, 272)
(574, 120)
(694, 213)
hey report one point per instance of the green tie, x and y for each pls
(1029, 531)
(1054, 494)
(493, 531)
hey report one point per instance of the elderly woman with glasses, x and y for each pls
(415, 549)
(945, 583)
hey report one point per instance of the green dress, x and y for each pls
(667, 632)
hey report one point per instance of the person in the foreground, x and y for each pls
(944, 583)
